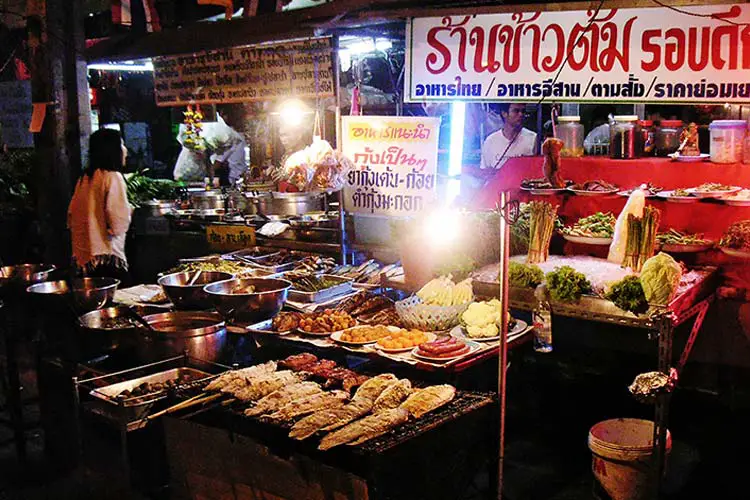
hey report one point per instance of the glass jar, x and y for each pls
(746, 149)
(727, 137)
(647, 137)
(625, 138)
(667, 138)
(570, 131)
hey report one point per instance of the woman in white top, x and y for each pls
(99, 213)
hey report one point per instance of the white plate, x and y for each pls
(587, 240)
(336, 336)
(689, 159)
(695, 248)
(544, 191)
(473, 347)
(593, 193)
(265, 327)
(713, 194)
(459, 332)
(667, 195)
(740, 254)
(430, 337)
(729, 200)
(628, 192)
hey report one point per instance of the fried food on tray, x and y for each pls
(363, 334)
(594, 186)
(327, 321)
(403, 339)
(285, 321)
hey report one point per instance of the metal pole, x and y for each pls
(503, 349)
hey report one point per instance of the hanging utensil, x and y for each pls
(195, 278)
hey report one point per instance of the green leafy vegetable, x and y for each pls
(142, 188)
(660, 278)
(565, 284)
(627, 294)
(524, 276)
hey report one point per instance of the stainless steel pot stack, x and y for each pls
(289, 203)
(207, 200)
(202, 334)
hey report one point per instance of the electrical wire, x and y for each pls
(557, 75)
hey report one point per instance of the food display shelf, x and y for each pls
(593, 308)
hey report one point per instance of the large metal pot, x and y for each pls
(186, 296)
(156, 208)
(97, 336)
(263, 303)
(207, 200)
(202, 334)
(93, 293)
(290, 203)
(23, 275)
(242, 202)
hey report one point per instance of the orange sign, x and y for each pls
(222, 237)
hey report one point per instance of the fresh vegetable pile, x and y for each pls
(541, 225)
(737, 236)
(443, 292)
(627, 294)
(311, 283)
(641, 238)
(660, 278)
(565, 284)
(142, 189)
(675, 237)
(524, 276)
(598, 225)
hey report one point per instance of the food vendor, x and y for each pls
(228, 159)
(511, 140)
(295, 132)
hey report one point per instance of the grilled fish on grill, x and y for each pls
(325, 419)
(263, 386)
(428, 399)
(279, 398)
(365, 429)
(309, 404)
(393, 396)
(371, 389)
(240, 376)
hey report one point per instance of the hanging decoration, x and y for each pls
(193, 121)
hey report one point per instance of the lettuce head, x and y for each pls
(660, 277)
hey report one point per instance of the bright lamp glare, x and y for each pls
(441, 228)
(123, 66)
(292, 113)
(455, 158)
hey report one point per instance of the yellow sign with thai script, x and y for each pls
(224, 237)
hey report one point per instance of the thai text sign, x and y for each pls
(395, 162)
(300, 68)
(625, 55)
(223, 238)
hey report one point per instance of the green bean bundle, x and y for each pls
(541, 225)
(641, 238)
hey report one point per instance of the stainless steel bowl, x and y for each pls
(202, 334)
(262, 304)
(49, 288)
(24, 275)
(185, 296)
(98, 337)
(90, 294)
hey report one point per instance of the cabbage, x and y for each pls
(660, 277)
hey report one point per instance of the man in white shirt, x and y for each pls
(510, 141)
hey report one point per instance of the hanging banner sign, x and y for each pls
(301, 68)
(642, 55)
(396, 164)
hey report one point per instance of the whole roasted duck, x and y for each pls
(551, 148)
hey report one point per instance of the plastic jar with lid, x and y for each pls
(727, 138)
(667, 137)
(625, 137)
(570, 131)
(647, 137)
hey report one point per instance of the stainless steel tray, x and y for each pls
(344, 286)
(253, 253)
(262, 263)
(132, 411)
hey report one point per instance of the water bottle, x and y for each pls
(542, 320)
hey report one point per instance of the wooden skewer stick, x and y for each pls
(199, 399)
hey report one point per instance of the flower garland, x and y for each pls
(192, 138)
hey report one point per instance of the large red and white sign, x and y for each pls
(622, 55)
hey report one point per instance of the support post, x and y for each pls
(503, 348)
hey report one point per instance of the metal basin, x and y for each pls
(90, 294)
(290, 203)
(262, 304)
(185, 296)
(23, 275)
(202, 334)
(98, 336)
(49, 288)
(207, 200)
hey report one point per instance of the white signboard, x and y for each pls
(628, 55)
(15, 114)
(396, 164)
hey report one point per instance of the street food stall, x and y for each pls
(262, 342)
